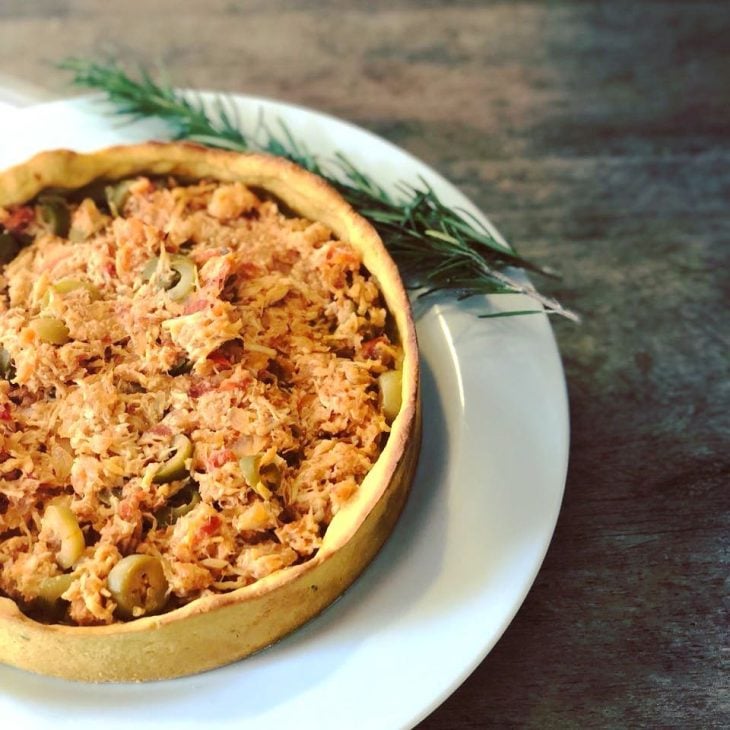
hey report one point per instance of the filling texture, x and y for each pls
(191, 386)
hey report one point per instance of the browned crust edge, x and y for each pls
(215, 630)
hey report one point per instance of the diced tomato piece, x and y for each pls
(161, 430)
(200, 387)
(218, 458)
(219, 359)
(195, 305)
(237, 381)
(19, 219)
(368, 347)
(248, 270)
(210, 526)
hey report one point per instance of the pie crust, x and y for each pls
(218, 629)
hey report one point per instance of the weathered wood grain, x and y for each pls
(596, 135)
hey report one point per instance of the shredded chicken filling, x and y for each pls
(187, 374)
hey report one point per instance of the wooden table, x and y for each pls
(596, 136)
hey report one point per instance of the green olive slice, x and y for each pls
(49, 604)
(178, 505)
(7, 370)
(9, 247)
(138, 585)
(51, 589)
(176, 466)
(65, 534)
(263, 479)
(66, 286)
(117, 195)
(270, 475)
(76, 235)
(249, 466)
(54, 214)
(178, 278)
(51, 330)
(390, 384)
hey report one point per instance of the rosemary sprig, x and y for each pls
(436, 247)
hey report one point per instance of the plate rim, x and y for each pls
(547, 331)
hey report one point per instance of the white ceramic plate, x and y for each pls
(462, 558)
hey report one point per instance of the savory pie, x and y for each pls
(209, 412)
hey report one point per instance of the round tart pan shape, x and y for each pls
(215, 630)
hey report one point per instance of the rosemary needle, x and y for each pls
(437, 248)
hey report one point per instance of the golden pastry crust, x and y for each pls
(217, 629)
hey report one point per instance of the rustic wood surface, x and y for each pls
(597, 137)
